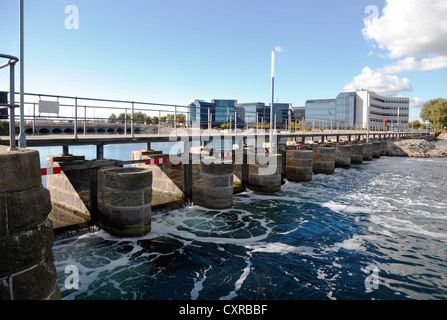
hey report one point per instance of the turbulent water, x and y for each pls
(375, 231)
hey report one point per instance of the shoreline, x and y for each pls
(417, 148)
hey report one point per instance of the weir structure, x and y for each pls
(121, 196)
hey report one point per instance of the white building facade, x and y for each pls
(354, 110)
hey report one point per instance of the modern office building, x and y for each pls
(298, 114)
(220, 112)
(247, 114)
(226, 110)
(254, 112)
(354, 109)
(283, 114)
(198, 112)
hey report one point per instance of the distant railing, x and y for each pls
(11, 105)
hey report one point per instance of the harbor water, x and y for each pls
(375, 231)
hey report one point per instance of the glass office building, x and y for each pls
(283, 114)
(198, 113)
(254, 112)
(355, 109)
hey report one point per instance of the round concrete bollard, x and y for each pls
(357, 153)
(27, 270)
(376, 149)
(367, 151)
(264, 178)
(323, 160)
(299, 165)
(124, 201)
(213, 188)
(383, 145)
(343, 156)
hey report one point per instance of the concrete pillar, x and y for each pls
(323, 160)
(383, 148)
(212, 185)
(367, 151)
(27, 270)
(343, 156)
(376, 146)
(299, 165)
(264, 177)
(357, 153)
(124, 201)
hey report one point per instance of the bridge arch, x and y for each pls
(44, 131)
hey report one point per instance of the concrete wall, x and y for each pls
(73, 192)
(167, 178)
(27, 270)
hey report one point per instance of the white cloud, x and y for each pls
(414, 33)
(279, 49)
(416, 102)
(381, 83)
(413, 28)
(410, 64)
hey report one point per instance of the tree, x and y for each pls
(112, 118)
(415, 124)
(435, 111)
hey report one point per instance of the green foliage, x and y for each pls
(415, 124)
(4, 128)
(435, 111)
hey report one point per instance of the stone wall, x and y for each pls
(124, 200)
(27, 270)
(167, 178)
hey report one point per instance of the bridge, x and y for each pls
(67, 128)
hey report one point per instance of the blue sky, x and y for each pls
(178, 51)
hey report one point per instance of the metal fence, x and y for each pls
(11, 104)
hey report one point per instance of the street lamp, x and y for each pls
(22, 137)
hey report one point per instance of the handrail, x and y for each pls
(11, 105)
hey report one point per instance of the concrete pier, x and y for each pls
(299, 165)
(212, 185)
(343, 156)
(383, 148)
(263, 177)
(323, 161)
(357, 153)
(376, 146)
(367, 151)
(124, 201)
(27, 270)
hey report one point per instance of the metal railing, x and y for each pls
(11, 105)
(74, 114)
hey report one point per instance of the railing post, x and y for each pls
(159, 121)
(175, 120)
(76, 118)
(131, 121)
(34, 118)
(12, 121)
(85, 120)
(125, 121)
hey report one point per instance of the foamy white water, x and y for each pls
(310, 241)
